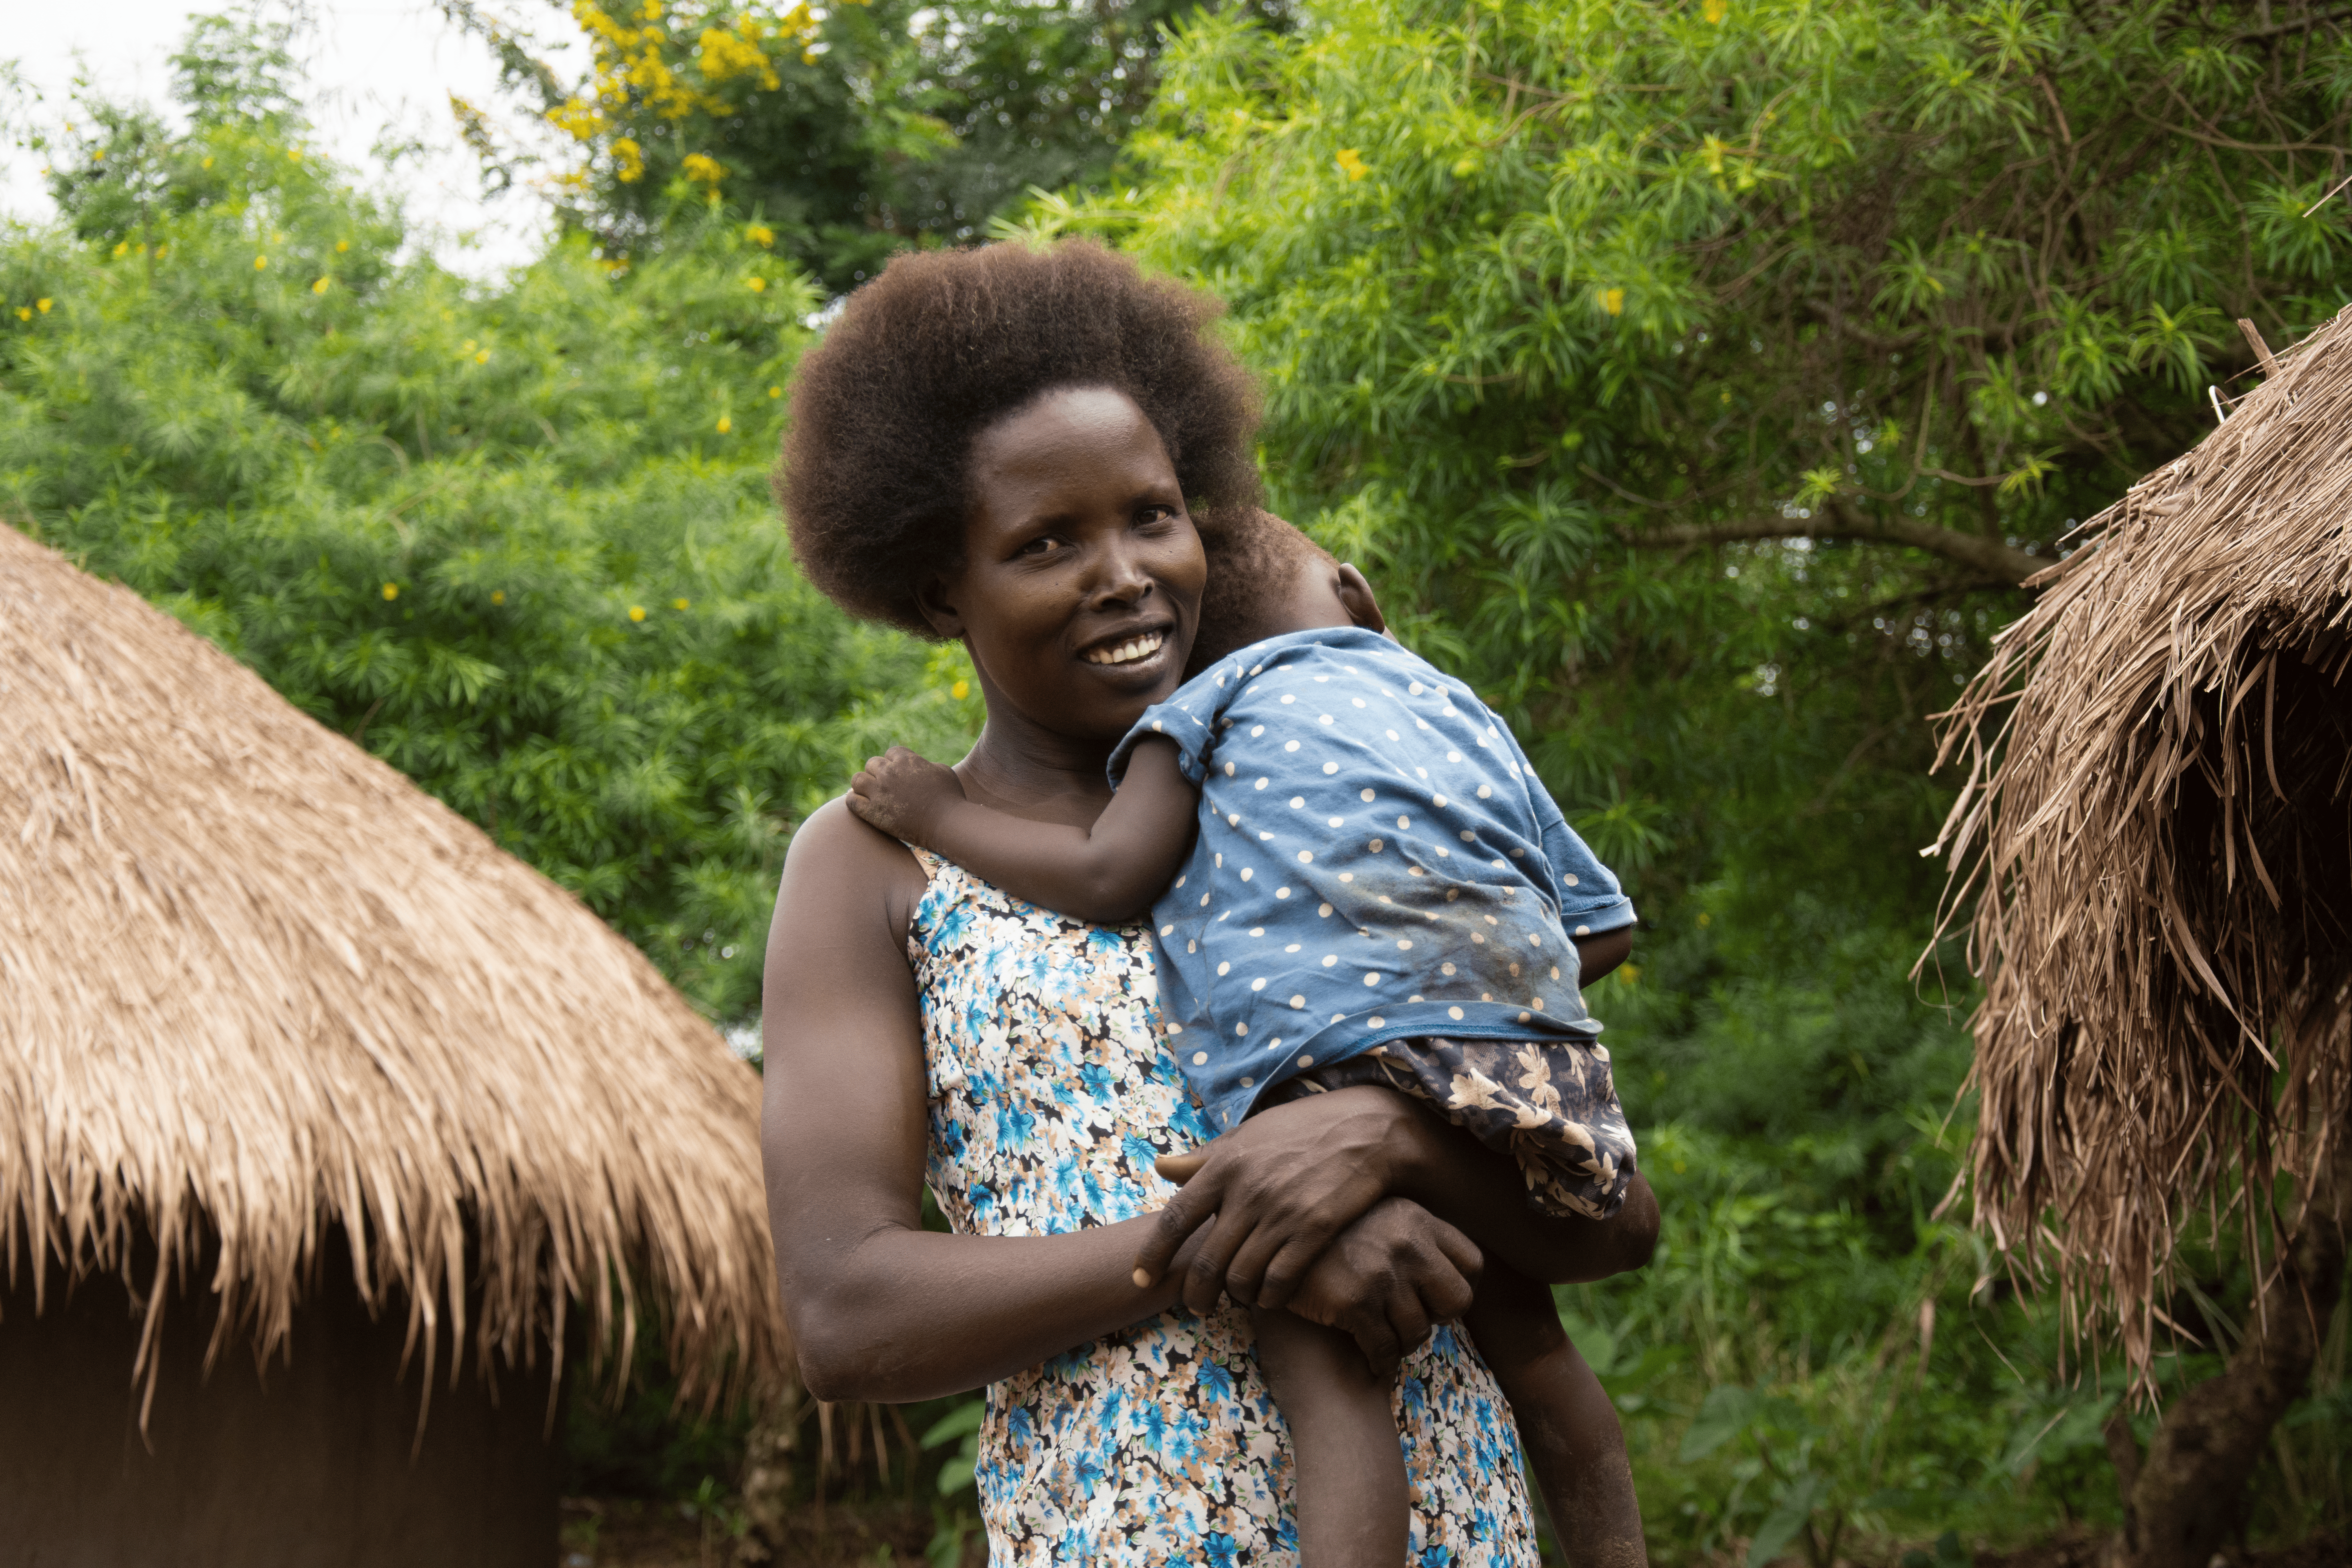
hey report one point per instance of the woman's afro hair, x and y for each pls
(946, 342)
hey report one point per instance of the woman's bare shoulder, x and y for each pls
(838, 866)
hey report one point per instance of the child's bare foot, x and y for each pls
(902, 794)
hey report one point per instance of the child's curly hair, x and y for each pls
(1254, 564)
(944, 343)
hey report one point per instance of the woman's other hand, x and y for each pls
(1282, 1185)
(1388, 1277)
(903, 794)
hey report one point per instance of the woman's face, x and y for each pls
(1080, 590)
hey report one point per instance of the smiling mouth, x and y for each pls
(1131, 651)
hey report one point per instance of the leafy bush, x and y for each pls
(517, 540)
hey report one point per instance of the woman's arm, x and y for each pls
(881, 1309)
(1108, 874)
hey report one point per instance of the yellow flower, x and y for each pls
(757, 285)
(392, 590)
(629, 159)
(703, 169)
(725, 425)
(23, 312)
(497, 596)
(1614, 301)
(208, 163)
(1705, 919)
(293, 154)
(43, 306)
(161, 251)
(960, 691)
(1350, 165)
(1715, 10)
(343, 244)
(637, 611)
(678, 603)
(259, 262)
(482, 358)
(760, 234)
(775, 392)
(320, 287)
(122, 250)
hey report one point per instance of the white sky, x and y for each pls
(372, 65)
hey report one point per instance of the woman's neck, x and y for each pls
(1024, 769)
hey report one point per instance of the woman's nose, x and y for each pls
(1121, 576)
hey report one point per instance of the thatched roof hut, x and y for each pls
(277, 1028)
(2153, 826)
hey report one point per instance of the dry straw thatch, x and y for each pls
(2153, 823)
(255, 985)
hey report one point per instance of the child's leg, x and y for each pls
(1349, 1484)
(1566, 1421)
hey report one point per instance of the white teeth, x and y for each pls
(1128, 651)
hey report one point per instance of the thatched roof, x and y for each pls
(2155, 834)
(254, 985)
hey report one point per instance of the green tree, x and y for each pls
(516, 541)
(1700, 379)
(850, 132)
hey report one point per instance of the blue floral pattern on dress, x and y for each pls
(1050, 1094)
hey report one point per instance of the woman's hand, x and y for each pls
(1388, 1277)
(1282, 1185)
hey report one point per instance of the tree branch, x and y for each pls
(1986, 556)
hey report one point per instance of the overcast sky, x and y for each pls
(373, 64)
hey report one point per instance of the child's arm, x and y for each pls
(1107, 873)
(1597, 955)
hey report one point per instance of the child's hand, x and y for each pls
(902, 794)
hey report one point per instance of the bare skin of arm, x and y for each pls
(1108, 873)
(881, 1309)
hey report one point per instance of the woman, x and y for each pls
(1003, 447)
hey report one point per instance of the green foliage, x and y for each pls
(516, 541)
(850, 132)
(1697, 379)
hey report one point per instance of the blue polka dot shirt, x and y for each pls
(1376, 859)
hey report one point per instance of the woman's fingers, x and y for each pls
(1212, 1261)
(1182, 1215)
(1180, 1168)
(1388, 1277)
(1469, 1261)
(1247, 1274)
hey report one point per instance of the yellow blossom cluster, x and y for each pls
(640, 61)
(725, 54)
(25, 312)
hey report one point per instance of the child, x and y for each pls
(1377, 890)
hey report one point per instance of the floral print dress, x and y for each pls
(1050, 1094)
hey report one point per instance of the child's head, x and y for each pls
(1266, 578)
